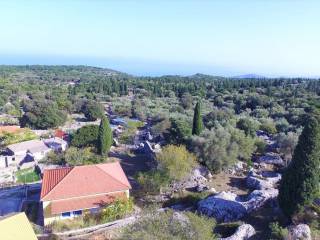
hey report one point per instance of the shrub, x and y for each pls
(176, 161)
(277, 232)
(168, 225)
(153, 181)
(85, 136)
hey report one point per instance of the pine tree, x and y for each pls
(197, 120)
(300, 182)
(104, 136)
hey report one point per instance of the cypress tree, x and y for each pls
(104, 136)
(300, 181)
(197, 120)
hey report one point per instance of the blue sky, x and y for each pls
(269, 37)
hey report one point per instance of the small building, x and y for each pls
(57, 144)
(16, 227)
(72, 191)
(24, 154)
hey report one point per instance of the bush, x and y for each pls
(277, 232)
(153, 181)
(92, 110)
(85, 136)
(176, 161)
(168, 225)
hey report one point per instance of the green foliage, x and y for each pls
(268, 126)
(127, 136)
(176, 161)
(179, 131)
(221, 147)
(42, 114)
(80, 156)
(92, 110)
(168, 225)
(114, 211)
(197, 120)
(105, 138)
(152, 182)
(85, 136)
(27, 176)
(248, 126)
(20, 136)
(277, 232)
(300, 182)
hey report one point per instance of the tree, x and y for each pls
(176, 161)
(42, 114)
(179, 131)
(92, 110)
(300, 182)
(249, 126)
(85, 136)
(104, 137)
(221, 147)
(197, 120)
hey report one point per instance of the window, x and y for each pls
(66, 214)
(13, 159)
(77, 213)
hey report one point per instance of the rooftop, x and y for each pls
(79, 181)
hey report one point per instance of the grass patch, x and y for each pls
(187, 198)
(27, 176)
(127, 136)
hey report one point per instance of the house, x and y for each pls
(72, 191)
(16, 227)
(24, 153)
(56, 143)
(61, 134)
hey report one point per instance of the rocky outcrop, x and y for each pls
(271, 158)
(300, 232)
(243, 232)
(263, 180)
(197, 181)
(227, 206)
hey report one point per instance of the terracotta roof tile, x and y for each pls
(75, 204)
(84, 181)
(51, 177)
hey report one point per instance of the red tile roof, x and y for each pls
(83, 181)
(59, 133)
(75, 204)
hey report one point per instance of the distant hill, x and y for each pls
(250, 76)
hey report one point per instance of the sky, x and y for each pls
(158, 37)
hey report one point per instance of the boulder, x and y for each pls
(263, 180)
(243, 232)
(227, 206)
(301, 232)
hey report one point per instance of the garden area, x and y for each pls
(27, 175)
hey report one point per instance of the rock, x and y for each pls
(227, 206)
(243, 232)
(264, 180)
(212, 190)
(271, 158)
(300, 232)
